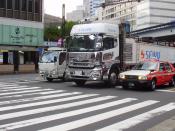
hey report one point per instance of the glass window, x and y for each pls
(168, 67)
(2, 3)
(9, 4)
(24, 5)
(162, 67)
(108, 43)
(30, 6)
(37, 6)
(17, 4)
(146, 66)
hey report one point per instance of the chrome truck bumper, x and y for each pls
(95, 74)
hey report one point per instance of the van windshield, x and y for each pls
(48, 57)
(87, 43)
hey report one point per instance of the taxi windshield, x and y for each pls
(146, 66)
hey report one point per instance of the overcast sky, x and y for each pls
(53, 7)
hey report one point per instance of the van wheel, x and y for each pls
(80, 82)
(172, 82)
(49, 79)
(153, 85)
(113, 78)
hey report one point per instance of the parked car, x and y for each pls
(149, 74)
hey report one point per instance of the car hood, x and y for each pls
(136, 72)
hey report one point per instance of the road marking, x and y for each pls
(33, 99)
(128, 123)
(13, 87)
(170, 91)
(20, 92)
(39, 120)
(100, 117)
(20, 89)
(43, 92)
(53, 108)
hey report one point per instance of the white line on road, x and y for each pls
(39, 120)
(42, 92)
(100, 117)
(128, 123)
(19, 89)
(52, 108)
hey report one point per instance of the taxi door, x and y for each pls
(161, 76)
(169, 72)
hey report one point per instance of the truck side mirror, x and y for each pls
(55, 59)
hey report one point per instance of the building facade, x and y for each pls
(76, 15)
(125, 12)
(21, 33)
(155, 12)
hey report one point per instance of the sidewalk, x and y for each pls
(167, 125)
(20, 77)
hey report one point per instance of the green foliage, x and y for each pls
(53, 33)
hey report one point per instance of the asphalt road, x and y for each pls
(29, 104)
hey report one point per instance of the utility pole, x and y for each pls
(63, 24)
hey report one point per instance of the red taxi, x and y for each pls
(149, 74)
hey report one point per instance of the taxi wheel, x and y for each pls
(172, 82)
(49, 79)
(80, 82)
(153, 85)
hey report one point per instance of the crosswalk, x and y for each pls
(46, 109)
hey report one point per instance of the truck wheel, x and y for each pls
(49, 79)
(152, 87)
(125, 87)
(172, 82)
(80, 82)
(113, 78)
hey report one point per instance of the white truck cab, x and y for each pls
(52, 64)
(93, 53)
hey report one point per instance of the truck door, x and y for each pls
(161, 76)
(62, 63)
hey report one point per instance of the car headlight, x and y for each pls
(142, 77)
(121, 76)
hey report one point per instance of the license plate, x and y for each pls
(78, 73)
(131, 84)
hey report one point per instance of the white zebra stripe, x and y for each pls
(52, 108)
(128, 123)
(39, 103)
(13, 87)
(20, 92)
(100, 117)
(32, 99)
(35, 121)
(42, 92)
(20, 89)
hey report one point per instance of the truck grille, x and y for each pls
(131, 77)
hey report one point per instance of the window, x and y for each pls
(37, 6)
(108, 43)
(2, 3)
(9, 4)
(30, 6)
(17, 5)
(24, 5)
(168, 68)
(162, 67)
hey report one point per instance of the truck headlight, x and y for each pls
(121, 76)
(142, 77)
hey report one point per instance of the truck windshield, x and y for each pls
(85, 43)
(48, 57)
(146, 66)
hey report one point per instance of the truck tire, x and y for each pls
(172, 82)
(80, 82)
(152, 86)
(112, 78)
(49, 79)
(125, 87)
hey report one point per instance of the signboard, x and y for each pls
(1, 58)
(19, 35)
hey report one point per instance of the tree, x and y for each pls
(52, 33)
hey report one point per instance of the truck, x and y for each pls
(94, 53)
(52, 64)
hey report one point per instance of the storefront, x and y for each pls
(19, 47)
